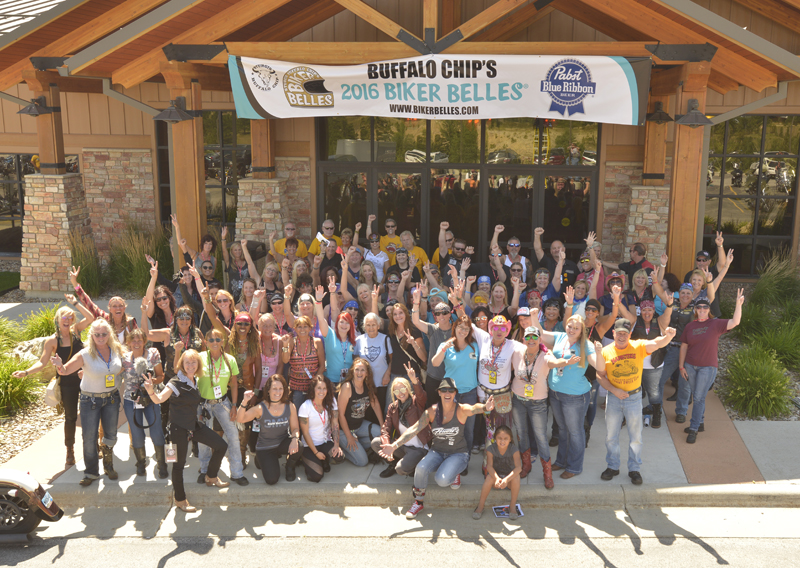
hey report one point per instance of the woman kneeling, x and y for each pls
(320, 428)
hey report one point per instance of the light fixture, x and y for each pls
(694, 117)
(659, 116)
(37, 107)
(172, 114)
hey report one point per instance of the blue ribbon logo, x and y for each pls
(568, 83)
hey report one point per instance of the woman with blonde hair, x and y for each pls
(65, 343)
(120, 322)
(239, 265)
(368, 275)
(305, 356)
(247, 295)
(270, 282)
(99, 400)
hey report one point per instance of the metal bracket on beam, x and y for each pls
(46, 63)
(542, 3)
(413, 42)
(13, 99)
(683, 52)
(184, 53)
(430, 36)
(448, 40)
(125, 99)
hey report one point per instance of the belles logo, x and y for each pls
(568, 83)
(305, 88)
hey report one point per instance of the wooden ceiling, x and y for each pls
(139, 57)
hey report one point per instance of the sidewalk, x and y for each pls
(733, 464)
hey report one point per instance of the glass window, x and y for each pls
(717, 138)
(512, 198)
(566, 209)
(454, 197)
(400, 140)
(775, 217)
(455, 141)
(570, 143)
(345, 198)
(399, 196)
(744, 135)
(511, 140)
(211, 135)
(243, 137)
(345, 139)
(783, 135)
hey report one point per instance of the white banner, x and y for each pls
(592, 89)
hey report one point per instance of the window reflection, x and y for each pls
(400, 139)
(783, 134)
(455, 141)
(345, 198)
(569, 143)
(346, 139)
(454, 198)
(399, 198)
(566, 208)
(511, 140)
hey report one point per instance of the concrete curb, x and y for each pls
(614, 496)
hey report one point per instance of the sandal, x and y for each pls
(216, 482)
(476, 514)
(185, 506)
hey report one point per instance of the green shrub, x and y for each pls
(783, 338)
(15, 394)
(757, 319)
(778, 281)
(84, 254)
(39, 324)
(726, 306)
(758, 385)
(128, 268)
(9, 334)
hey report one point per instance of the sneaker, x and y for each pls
(389, 471)
(553, 442)
(692, 437)
(702, 428)
(415, 510)
(240, 481)
(636, 477)
(674, 397)
(609, 474)
(680, 418)
(457, 483)
(477, 515)
(201, 478)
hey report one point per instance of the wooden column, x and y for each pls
(48, 126)
(451, 16)
(187, 156)
(655, 145)
(687, 175)
(262, 133)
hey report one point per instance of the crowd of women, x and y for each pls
(366, 351)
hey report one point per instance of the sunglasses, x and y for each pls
(287, 229)
(459, 249)
(441, 313)
(400, 389)
(100, 334)
(702, 259)
(590, 310)
(585, 260)
(482, 318)
(162, 298)
(391, 226)
(447, 390)
(516, 270)
(327, 228)
(394, 282)
(184, 317)
(67, 318)
(223, 301)
(701, 308)
(513, 245)
(215, 340)
(449, 240)
(529, 337)
(434, 272)
(374, 242)
(242, 324)
(208, 267)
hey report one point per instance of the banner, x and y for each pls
(461, 87)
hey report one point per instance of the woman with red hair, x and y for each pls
(339, 344)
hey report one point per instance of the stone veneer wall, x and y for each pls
(633, 212)
(54, 205)
(119, 188)
(262, 207)
(297, 172)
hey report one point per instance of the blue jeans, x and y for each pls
(592, 411)
(469, 397)
(93, 411)
(149, 417)
(364, 435)
(222, 412)
(298, 398)
(651, 383)
(446, 466)
(533, 413)
(700, 381)
(569, 410)
(671, 362)
(631, 410)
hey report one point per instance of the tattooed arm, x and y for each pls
(409, 434)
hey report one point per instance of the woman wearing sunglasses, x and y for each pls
(208, 245)
(245, 345)
(438, 333)
(101, 362)
(65, 343)
(120, 322)
(238, 264)
(160, 307)
(378, 258)
(340, 341)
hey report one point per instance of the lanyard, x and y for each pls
(496, 355)
(321, 415)
(529, 367)
(214, 372)
(345, 343)
(108, 363)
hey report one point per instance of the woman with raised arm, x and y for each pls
(270, 340)
(320, 429)
(305, 308)
(449, 454)
(305, 356)
(239, 264)
(101, 362)
(356, 394)
(406, 408)
(208, 245)
(406, 342)
(247, 298)
(161, 307)
(120, 322)
(65, 343)
(340, 341)
(378, 258)
(277, 428)
(245, 345)
(270, 282)
(184, 424)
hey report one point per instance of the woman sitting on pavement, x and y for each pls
(320, 429)
(699, 356)
(406, 408)
(137, 364)
(449, 454)
(65, 343)
(504, 465)
(184, 424)
(101, 362)
(277, 427)
(356, 394)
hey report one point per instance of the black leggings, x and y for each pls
(70, 396)
(204, 435)
(270, 468)
(312, 464)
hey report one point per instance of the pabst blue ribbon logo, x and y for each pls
(568, 83)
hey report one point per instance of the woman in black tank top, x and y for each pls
(449, 454)
(357, 392)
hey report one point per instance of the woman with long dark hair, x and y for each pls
(244, 344)
(320, 429)
(356, 393)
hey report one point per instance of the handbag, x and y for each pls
(52, 394)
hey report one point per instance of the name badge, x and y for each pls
(110, 381)
(344, 374)
(493, 378)
(256, 426)
(308, 374)
(528, 391)
(217, 392)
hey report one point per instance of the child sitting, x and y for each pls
(503, 464)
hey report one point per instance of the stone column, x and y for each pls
(262, 207)
(647, 219)
(54, 205)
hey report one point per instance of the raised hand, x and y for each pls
(318, 260)
(193, 271)
(589, 240)
(410, 372)
(243, 242)
(405, 275)
(562, 255)
(499, 229)
(272, 235)
(569, 294)
(320, 293)
(259, 294)
(670, 332)
(616, 291)
(412, 260)
(224, 233)
(719, 240)
(444, 225)
(286, 264)
(73, 275)
(376, 291)
(470, 250)
(471, 280)
(423, 287)
(174, 219)
(409, 337)
(515, 282)
(598, 265)
(730, 256)
(534, 313)
(332, 284)
(149, 259)
(740, 296)
(248, 395)
(598, 347)
(416, 295)
(154, 270)
(538, 231)
(288, 291)
(371, 218)
(145, 305)
(465, 263)
(664, 259)
(358, 227)
(71, 299)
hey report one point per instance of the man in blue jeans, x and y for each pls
(619, 371)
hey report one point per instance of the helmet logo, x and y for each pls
(304, 87)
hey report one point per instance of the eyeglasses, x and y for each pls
(184, 317)
(208, 267)
(482, 318)
(447, 390)
(459, 249)
(162, 298)
(394, 282)
(513, 245)
(223, 301)
(215, 340)
(100, 334)
(287, 229)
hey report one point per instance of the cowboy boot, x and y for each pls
(291, 464)
(108, 461)
(547, 470)
(655, 421)
(141, 460)
(526, 464)
(161, 460)
(70, 456)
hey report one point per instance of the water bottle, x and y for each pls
(567, 355)
(647, 420)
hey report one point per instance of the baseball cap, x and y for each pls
(594, 304)
(702, 302)
(531, 331)
(447, 383)
(622, 325)
(703, 253)
(523, 312)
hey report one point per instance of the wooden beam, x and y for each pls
(372, 16)
(655, 144)
(181, 76)
(451, 16)
(687, 174)
(302, 21)
(665, 81)
(65, 84)
(721, 83)
(430, 16)
(600, 21)
(262, 133)
(488, 17)
(514, 23)
(792, 3)
(229, 20)
(80, 37)
(781, 14)
(49, 131)
(633, 14)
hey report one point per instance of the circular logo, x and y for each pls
(264, 77)
(568, 83)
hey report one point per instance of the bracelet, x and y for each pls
(570, 305)
(663, 266)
